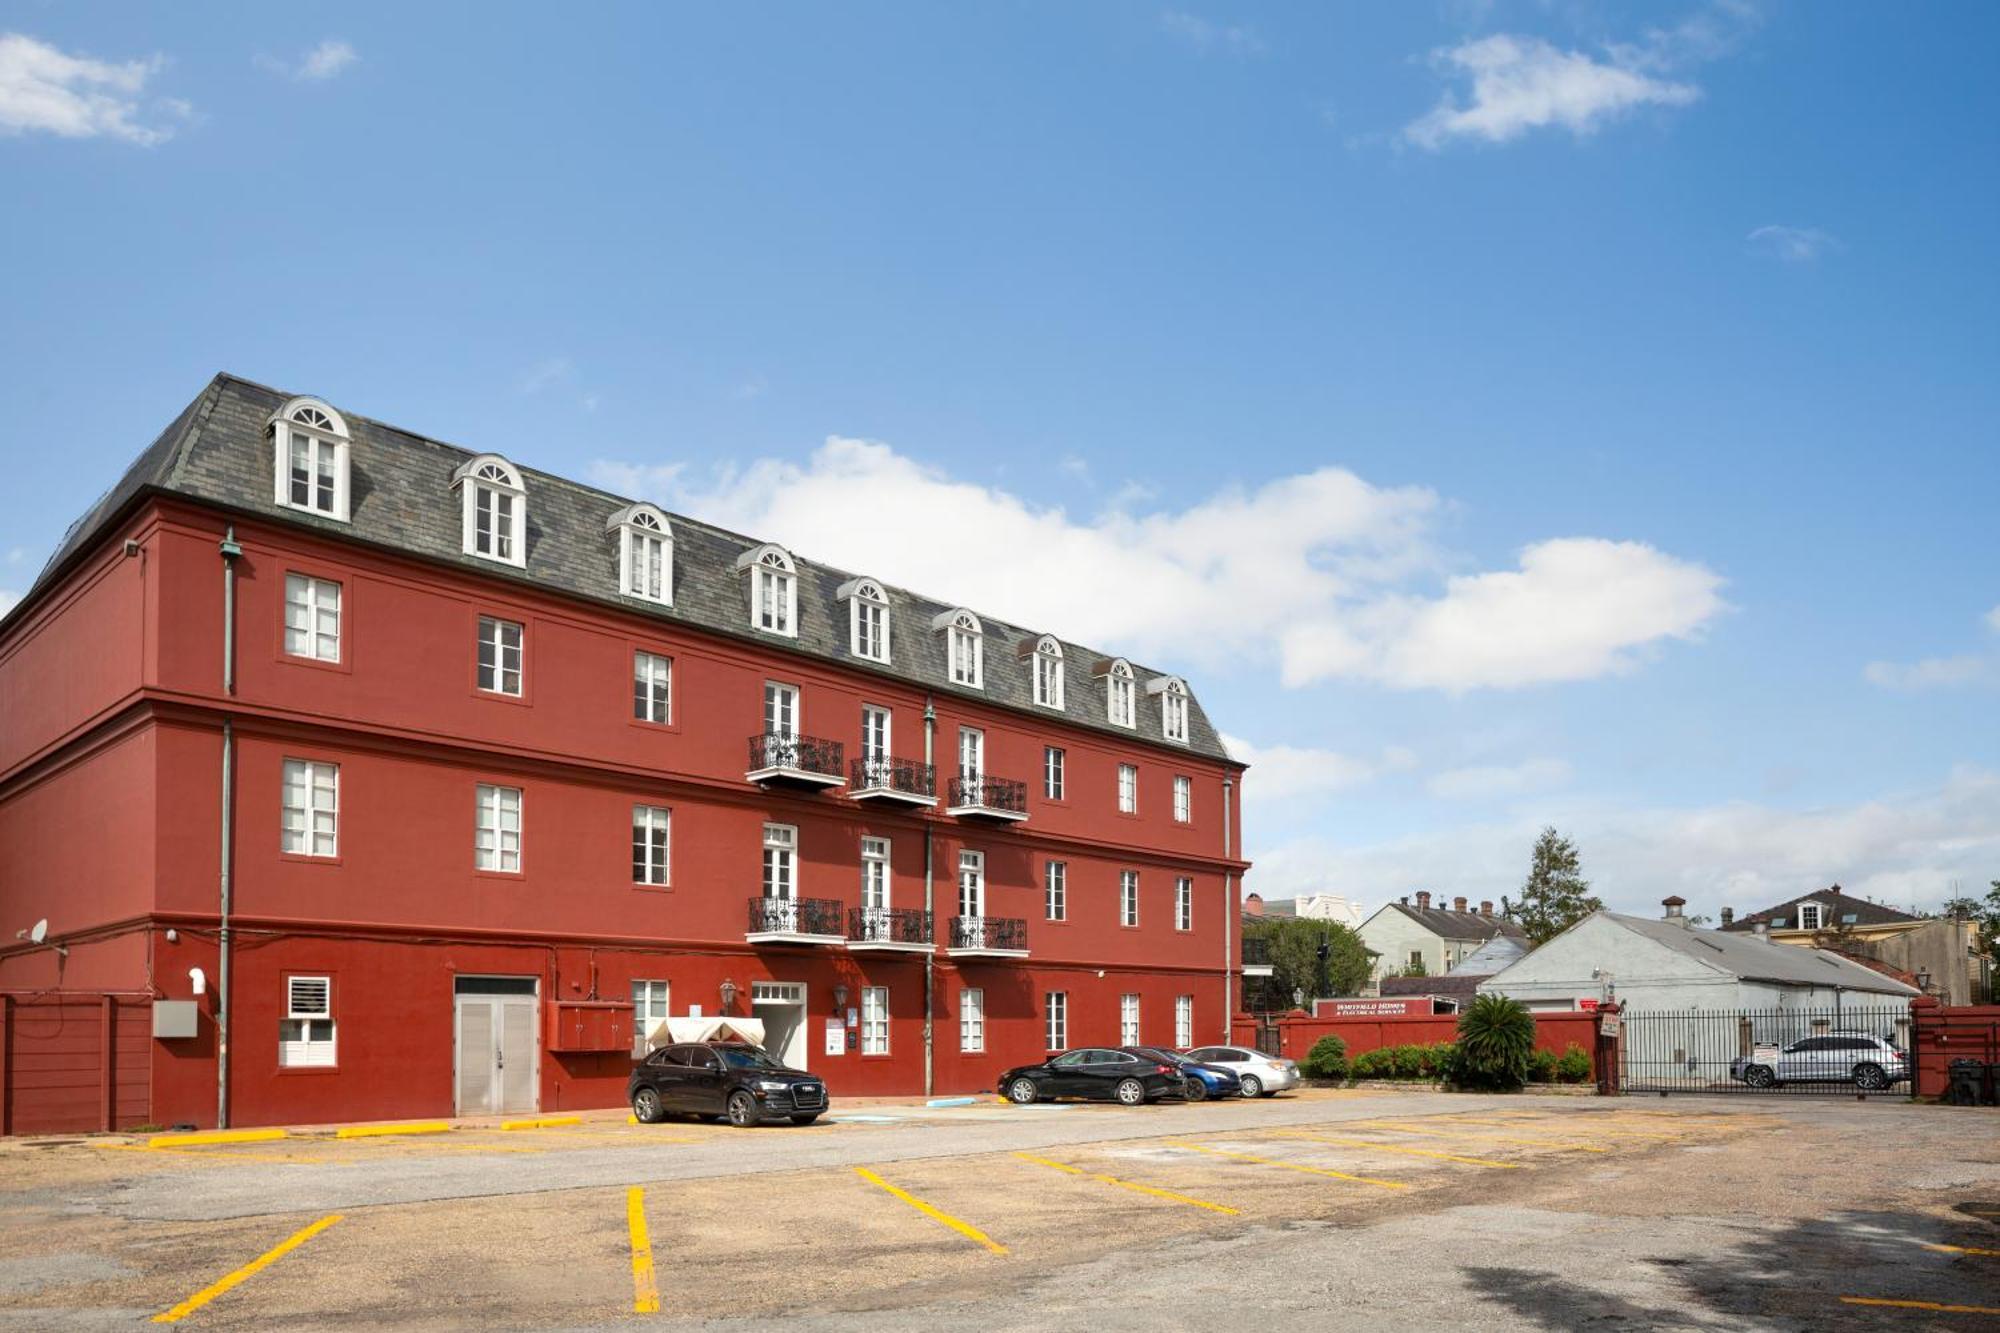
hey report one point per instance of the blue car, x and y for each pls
(1200, 1081)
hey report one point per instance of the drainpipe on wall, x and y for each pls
(930, 974)
(1231, 923)
(230, 551)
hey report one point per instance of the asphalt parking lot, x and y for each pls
(1355, 1208)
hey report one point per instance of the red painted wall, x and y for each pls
(1943, 1033)
(1297, 1033)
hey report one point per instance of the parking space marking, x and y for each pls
(243, 1274)
(1612, 1131)
(965, 1229)
(1131, 1185)
(1961, 1249)
(1932, 1307)
(645, 1286)
(1289, 1166)
(1393, 1128)
(1396, 1148)
(215, 1136)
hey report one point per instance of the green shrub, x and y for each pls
(1496, 1036)
(1378, 1063)
(1408, 1061)
(1326, 1059)
(1542, 1066)
(1574, 1065)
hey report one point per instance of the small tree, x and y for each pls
(1326, 1059)
(1296, 963)
(1555, 895)
(1496, 1037)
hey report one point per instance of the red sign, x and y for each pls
(1586, 1005)
(1419, 1004)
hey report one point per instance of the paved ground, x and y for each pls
(1362, 1209)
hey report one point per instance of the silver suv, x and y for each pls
(1868, 1062)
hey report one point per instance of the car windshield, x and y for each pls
(746, 1057)
(1164, 1057)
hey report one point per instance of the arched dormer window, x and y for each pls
(867, 619)
(645, 553)
(1173, 694)
(1048, 672)
(309, 458)
(495, 509)
(965, 647)
(1119, 706)
(774, 589)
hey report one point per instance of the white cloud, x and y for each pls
(1320, 572)
(1495, 781)
(1204, 37)
(1993, 620)
(1941, 672)
(545, 373)
(1075, 467)
(1523, 83)
(75, 97)
(323, 62)
(1795, 245)
(8, 600)
(1289, 772)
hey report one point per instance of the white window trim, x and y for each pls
(1819, 916)
(1128, 789)
(972, 872)
(888, 716)
(309, 771)
(1183, 799)
(860, 594)
(961, 626)
(499, 686)
(320, 597)
(636, 525)
(310, 1018)
(874, 1020)
(772, 563)
(1128, 1019)
(643, 674)
(1055, 890)
(293, 418)
(476, 475)
(1184, 903)
(1128, 897)
(781, 838)
(491, 797)
(1055, 774)
(877, 856)
(1048, 654)
(1173, 694)
(645, 1012)
(648, 816)
(1183, 1021)
(1055, 1020)
(1118, 690)
(972, 1020)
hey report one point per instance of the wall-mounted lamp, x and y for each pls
(840, 997)
(728, 994)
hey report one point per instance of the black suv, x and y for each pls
(725, 1078)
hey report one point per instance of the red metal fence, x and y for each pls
(71, 1062)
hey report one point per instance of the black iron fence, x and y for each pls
(899, 775)
(989, 932)
(799, 754)
(889, 925)
(795, 916)
(1841, 1049)
(986, 792)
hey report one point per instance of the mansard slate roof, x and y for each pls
(401, 498)
(1840, 908)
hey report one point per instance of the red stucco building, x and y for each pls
(465, 775)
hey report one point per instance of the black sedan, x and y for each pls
(1096, 1072)
(725, 1078)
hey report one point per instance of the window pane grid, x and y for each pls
(972, 1020)
(1184, 904)
(874, 1020)
(1055, 879)
(310, 820)
(1055, 1030)
(652, 687)
(499, 656)
(651, 825)
(1128, 897)
(1052, 772)
(497, 836)
(312, 618)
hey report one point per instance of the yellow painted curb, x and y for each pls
(378, 1131)
(545, 1122)
(216, 1136)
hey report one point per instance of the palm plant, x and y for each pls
(1496, 1036)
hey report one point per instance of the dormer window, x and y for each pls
(1812, 916)
(645, 553)
(965, 647)
(309, 458)
(1173, 706)
(867, 619)
(1119, 708)
(774, 589)
(495, 509)
(1048, 672)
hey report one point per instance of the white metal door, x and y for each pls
(497, 1055)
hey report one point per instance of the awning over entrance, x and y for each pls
(705, 1029)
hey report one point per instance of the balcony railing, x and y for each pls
(990, 934)
(1256, 952)
(984, 794)
(795, 916)
(905, 779)
(889, 925)
(776, 754)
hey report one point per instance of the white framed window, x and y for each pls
(312, 618)
(312, 808)
(781, 709)
(1183, 798)
(495, 509)
(774, 589)
(652, 827)
(650, 1006)
(867, 619)
(874, 734)
(309, 458)
(875, 877)
(781, 845)
(1052, 772)
(496, 843)
(1055, 890)
(1128, 1020)
(972, 1020)
(1183, 1021)
(1119, 708)
(1173, 706)
(305, 1034)
(1128, 897)
(1183, 903)
(1048, 672)
(1812, 916)
(652, 688)
(500, 656)
(972, 884)
(645, 553)
(1055, 1020)
(971, 753)
(1128, 789)
(965, 647)
(874, 1020)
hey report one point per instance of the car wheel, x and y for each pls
(648, 1107)
(805, 1119)
(1757, 1076)
(742, 1110)
(1253, 1086)
(1870, 1078)
(1197, 1091)
(1131, 1092)
(1022, 1092)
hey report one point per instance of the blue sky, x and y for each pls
(1503, 414)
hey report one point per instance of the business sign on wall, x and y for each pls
(1402, 1008)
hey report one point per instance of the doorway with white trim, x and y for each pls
(782, 1007)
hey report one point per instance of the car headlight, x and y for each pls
(766, 1085)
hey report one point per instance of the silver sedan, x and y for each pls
(1262, 1074)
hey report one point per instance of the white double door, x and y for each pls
(497, 1061)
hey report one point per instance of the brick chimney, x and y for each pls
(1485, 908)
(1674, 905)
(1253, 905)
(1458, 904)
(1423, 900)
(1728, 915)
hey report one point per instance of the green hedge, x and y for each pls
(1572, 1066)
(1429, 1062)
(1327, 1059)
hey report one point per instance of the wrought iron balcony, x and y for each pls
(987, 797)
(777, 756)
(879, 777)
(889, 929)
(991, 936)
(1256, 956)
(794, 921)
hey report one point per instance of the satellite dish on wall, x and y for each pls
(39, 931)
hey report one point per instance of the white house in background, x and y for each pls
(1438, 938)
(1335, 907)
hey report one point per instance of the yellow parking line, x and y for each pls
(215, 1136)
(384, 1131)
(249, 1270)
(1289, 1166)
(543, 1122)
(965, 1229)
(1392, 1147)
(1932, 1306)
(645, 1287)
(1393, 1128)
(1612, 1131)
(1130, 1185)
(1961, 1249)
